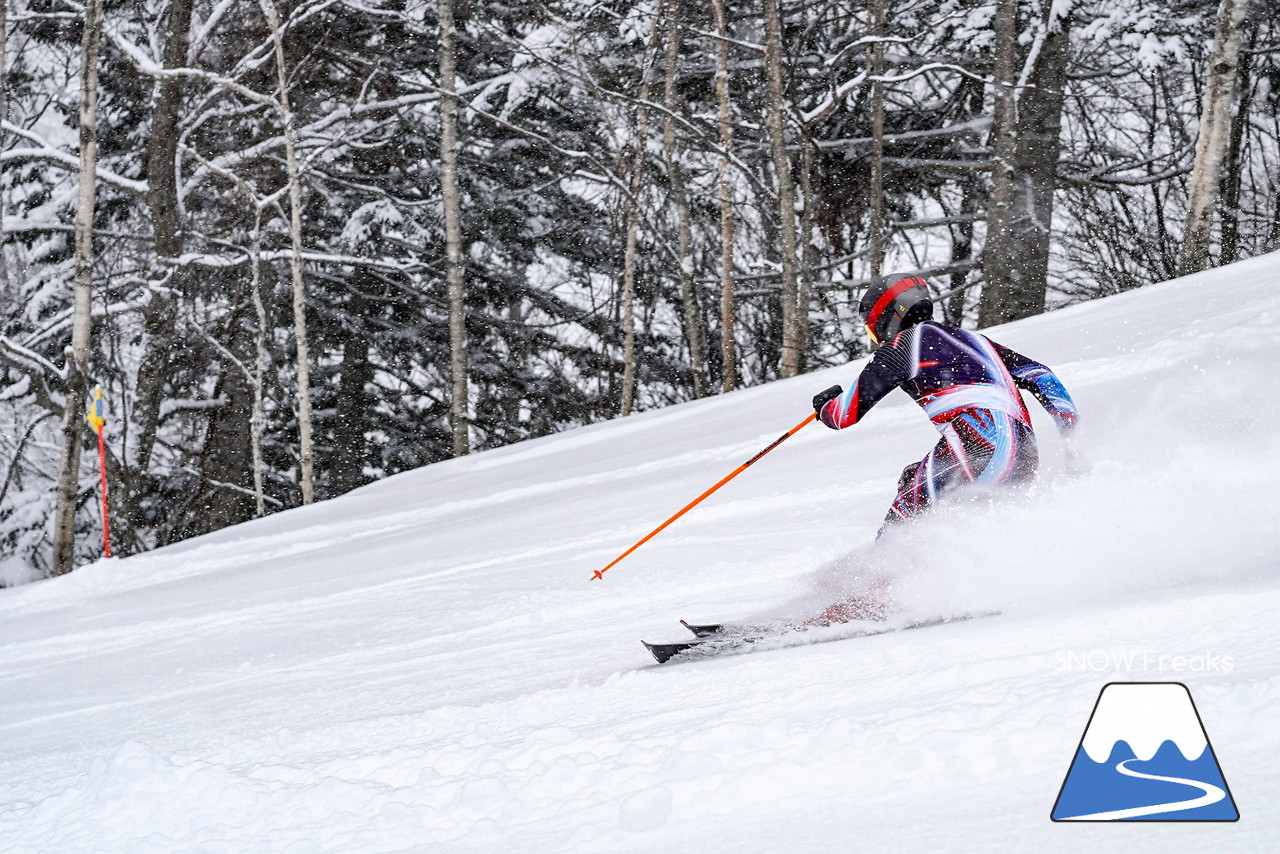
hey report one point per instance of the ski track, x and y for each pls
(424, 664)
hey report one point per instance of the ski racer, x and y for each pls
(966, 383)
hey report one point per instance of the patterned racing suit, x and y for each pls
(968, 386)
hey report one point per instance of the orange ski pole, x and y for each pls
(695, 502)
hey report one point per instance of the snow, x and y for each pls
(425, 664)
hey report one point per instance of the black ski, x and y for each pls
(716, 639)
(710, 630)
(707, 630)
(703, 631)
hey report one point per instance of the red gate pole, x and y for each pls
(102, 467)
(96, 416)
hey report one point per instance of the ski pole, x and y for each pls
(695, 502)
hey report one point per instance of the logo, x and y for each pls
(1145, 756)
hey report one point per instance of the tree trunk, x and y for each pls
(1272, 241)
(875, 59)
(728, 355)
(1215, 131)
(258, 422)
(1231, 179)
(1004, 145)
(806, 252)
(794, 315)
(684, 232)
(1016, 254)
(346, 470)
(4, 117)
(78, 355)
(305, 456)
(632, 216)
(459, 419)
(962, 250)
(162, 141)
(222, 498)
(165, 208)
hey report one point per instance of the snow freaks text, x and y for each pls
(1139, 661)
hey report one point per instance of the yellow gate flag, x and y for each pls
(95, 415)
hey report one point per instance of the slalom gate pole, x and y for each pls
(695, 502)
(97, 418)
(102, 467)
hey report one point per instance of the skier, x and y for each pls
(968, 386)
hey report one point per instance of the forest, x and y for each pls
(302, 246)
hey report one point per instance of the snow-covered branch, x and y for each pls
(37, 371)
(172, 407)
(47, 152)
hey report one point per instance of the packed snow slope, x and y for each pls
(426, 665)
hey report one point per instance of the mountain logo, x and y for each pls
(1145, 756)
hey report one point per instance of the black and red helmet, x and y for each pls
(894, 303)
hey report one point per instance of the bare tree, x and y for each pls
(728, 355)
(459, 420)
(1028, 121)
(631, 210)
(1215, 132)
(4, 117)
(684, 231)
(794, 315)
(163, 202)
(305, 457)
(1234, 172)
(77, 369)
(1004, 145)
(962, 249)
(257, 422)
(1016, 254)
(875, 61)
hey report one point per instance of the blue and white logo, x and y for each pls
(1145, 757)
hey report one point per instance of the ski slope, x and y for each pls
(425, 664)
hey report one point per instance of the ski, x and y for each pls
(703, 631)
(707, 630)
(715, 639)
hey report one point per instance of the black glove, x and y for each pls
(822, 398)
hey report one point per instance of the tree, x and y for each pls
(1215, 132)
(1232, 178)
(875, 61)
(728, 354)
(458, 409)
(4, 117)
(794, 316)
(306, 475)
(77, 364)
(1027, 125)
(631, 214)
(684, 229)
(165, 205)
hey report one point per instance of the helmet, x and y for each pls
(892, 304)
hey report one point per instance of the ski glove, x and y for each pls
(822, 398)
